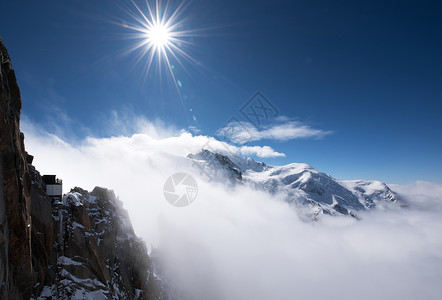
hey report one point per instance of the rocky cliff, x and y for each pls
(82, 247)
(94, 254)
(16, 276)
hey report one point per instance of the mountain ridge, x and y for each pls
(302, 184)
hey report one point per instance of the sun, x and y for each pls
(158, 31)
(159, 36)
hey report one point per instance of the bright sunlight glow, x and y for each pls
(158, 35)
(161, 36)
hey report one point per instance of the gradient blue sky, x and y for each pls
(369, 71)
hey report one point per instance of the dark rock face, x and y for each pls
(81, 248)
(16, 276)
(215, 161)
(42, 232)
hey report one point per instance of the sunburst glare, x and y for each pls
(159, 35)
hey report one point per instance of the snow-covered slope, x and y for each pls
(303, 185)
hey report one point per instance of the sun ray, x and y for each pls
(161, 40)
(157, 30)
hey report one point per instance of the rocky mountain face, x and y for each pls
(16, 275)
(82, 247)
(303, 186)
(95, 253)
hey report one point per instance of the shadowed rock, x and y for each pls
(16, 276)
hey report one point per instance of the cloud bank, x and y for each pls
(238, 243)
(282, 129)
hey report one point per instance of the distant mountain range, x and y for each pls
(302, 185)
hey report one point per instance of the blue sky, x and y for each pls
(367, 75)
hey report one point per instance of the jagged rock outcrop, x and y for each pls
(96, 252)
(81, 248)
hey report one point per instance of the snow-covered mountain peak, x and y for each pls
(302, 184)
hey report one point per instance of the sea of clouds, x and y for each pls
(237, 243)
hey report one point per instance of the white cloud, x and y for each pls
(236, 243)
(265, 151)
(194, 129)
(243, 132)
(421, 194)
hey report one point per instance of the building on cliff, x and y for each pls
(53, 187)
